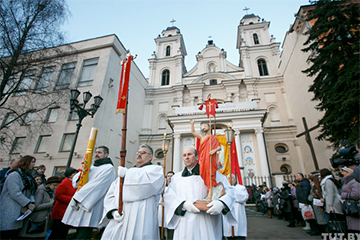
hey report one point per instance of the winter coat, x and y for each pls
(330, 193)
(318, 211)
(286, 201)
(63, 195)
(12, 199)
(351, 191)
(41, 212)
(303, 191)
(268, 197)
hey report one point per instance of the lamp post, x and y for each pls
(229, 135)
(165, 147)
(81, 112)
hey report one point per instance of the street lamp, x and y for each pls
(81, 112)
(165, 147)
(229, 135)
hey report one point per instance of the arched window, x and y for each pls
(262, 67)
(167, 51)
(165, 79)
(256, 38)
(213, 82)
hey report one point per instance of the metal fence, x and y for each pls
(258, 180)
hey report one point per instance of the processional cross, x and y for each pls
(246, 9)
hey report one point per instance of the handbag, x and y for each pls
(36, 227)
(307, 212)
(351, 208)
(335, 225)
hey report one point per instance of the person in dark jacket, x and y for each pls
(302, 193)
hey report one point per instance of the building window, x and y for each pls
(167, 51)
(286, 168)
(25, 83)
(256, 38)
(45, 79)
(88, 73)
(281, 148)
(27, 119)
(8, 119)
(159, 154)
(59, 171)
(165, 80)
(262, 67)
(213, 82)
(52, 115)
(65, 76)
(43, 144)
(17, 145)
(67, 141)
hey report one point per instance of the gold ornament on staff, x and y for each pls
(86, 164)
(229, 135)
(165, 147)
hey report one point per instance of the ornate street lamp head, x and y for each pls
(86, 96)
(229, 135)
(165, 144)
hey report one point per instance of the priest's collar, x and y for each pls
(145, 164)
(102, 161)
(194, 171)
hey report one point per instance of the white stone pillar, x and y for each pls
(301, 160)
(291, 119)
(278, 180)
(264, 167)
(177, 153)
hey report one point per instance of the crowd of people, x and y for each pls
(322, 195)
(35, 207)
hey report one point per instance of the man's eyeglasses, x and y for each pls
(142, 153)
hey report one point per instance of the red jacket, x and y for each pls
(63, 195)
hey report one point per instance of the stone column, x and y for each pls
(291, 119)
(238, 148)
(177, 153)
(301, 160)
(264, 167)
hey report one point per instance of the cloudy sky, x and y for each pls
(137, 23)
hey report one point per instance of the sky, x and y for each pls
(137, 23)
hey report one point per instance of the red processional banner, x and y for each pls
(124, 84)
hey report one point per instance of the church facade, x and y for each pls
(252, 98)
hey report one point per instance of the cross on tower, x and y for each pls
(173, 21)
(246, 9)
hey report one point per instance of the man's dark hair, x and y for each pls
(148, 147)
(106, 149)
(170, 172)
(302, 175)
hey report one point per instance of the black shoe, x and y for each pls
(291, 225)
(314, 234)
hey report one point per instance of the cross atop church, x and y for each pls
(246, 9)
(173, 21)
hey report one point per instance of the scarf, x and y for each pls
(29, 182)
(100, 162)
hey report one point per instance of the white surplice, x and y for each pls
(195, 225)
(141, 193)
(240, 229)
(90, 198)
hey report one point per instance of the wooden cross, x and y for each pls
(246, 9)
(173, 21)
(308, 140)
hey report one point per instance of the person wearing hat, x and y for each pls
(44, 201)
(64, 193)
(350, 190)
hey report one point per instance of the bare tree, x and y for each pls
(30, 47)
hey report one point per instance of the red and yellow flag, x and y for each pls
(124, 84)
